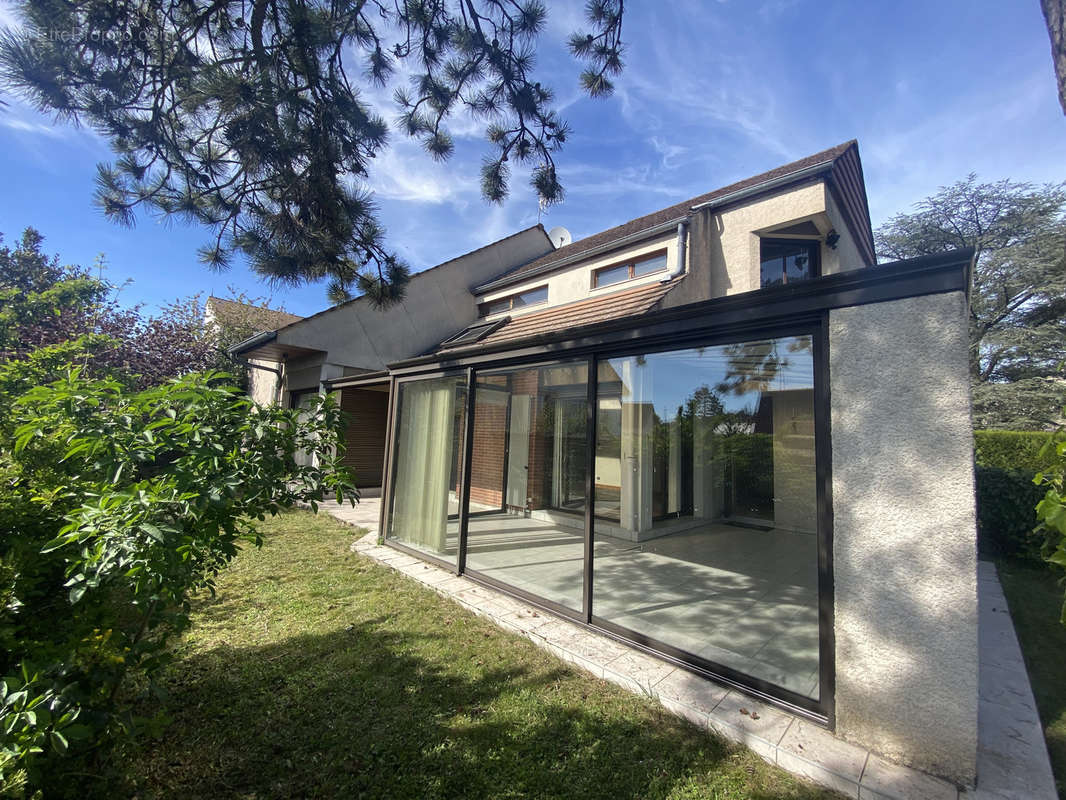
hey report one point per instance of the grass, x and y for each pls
(315, 672)
(1035, 599)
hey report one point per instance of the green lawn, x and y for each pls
(1035, 599)
(317, 673)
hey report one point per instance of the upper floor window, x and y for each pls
(788, 260)
(616, 273)
(532, 297)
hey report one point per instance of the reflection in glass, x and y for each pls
(787, 262)
(527, 479)
(705, 504)
(427, 472)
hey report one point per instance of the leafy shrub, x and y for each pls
(116, 507)
(1006, 496)
(1011, 450)
(1005, 513)
(1051, 510)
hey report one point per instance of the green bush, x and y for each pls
(1011, 450)
(1006, 516)
(1051, 510)
(117, 506)
(1006, 497)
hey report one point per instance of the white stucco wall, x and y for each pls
(845, 256)
(263, 385)
(904, 541)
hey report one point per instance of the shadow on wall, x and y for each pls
(376, 711)
(904, 540)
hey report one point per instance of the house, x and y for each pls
(720, 432)
(227, 319)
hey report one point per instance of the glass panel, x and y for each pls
(786, 262)
(427, 472)
(532, 297)
(471, 334)
(605, 277)
(649, 265)
(706, 531)
(496, 306)
(527, 480)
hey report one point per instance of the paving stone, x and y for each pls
(453, 585)
(573, 658)
(761, 728)
(685, 711)
(476, 595)
(527, 620)
(639, 668)
(883, 779)
(814, 771)
(686, 689)
(806, 741)
(597, 649)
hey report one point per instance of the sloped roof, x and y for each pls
(616, 305)
(241, 313)
(428, 270)
(854, 205)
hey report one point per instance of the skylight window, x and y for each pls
(473, 334)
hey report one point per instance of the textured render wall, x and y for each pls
(724, 246)
(263, 385)
(904, 542)
(846, 255)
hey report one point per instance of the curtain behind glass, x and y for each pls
(423, 456)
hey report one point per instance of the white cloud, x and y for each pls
(976, 132)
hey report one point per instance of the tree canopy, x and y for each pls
(1018, 300)
(247, 116)
(53, 313)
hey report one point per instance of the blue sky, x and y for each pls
(713, 91)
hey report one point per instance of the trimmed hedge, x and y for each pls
(1006, 515)
(1012, 450)
(1006, 462)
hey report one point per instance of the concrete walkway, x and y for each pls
(364, 514)
(1012, 759)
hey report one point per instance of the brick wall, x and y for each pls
(490, 441)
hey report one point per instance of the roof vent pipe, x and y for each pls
(682, 244)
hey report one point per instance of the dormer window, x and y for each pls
(628, 270)
(788, 260)
(530, 297)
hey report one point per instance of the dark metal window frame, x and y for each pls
(630, 262)
(813, 324)
(483, 308)
(784, 310)
(483, 329)
(814, 245)
(541, 602)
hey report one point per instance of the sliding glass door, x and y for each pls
(526, 527)
(704, 541)
(714, 551)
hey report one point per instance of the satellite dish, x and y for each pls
(560, 236)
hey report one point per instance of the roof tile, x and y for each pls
(616, 305)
